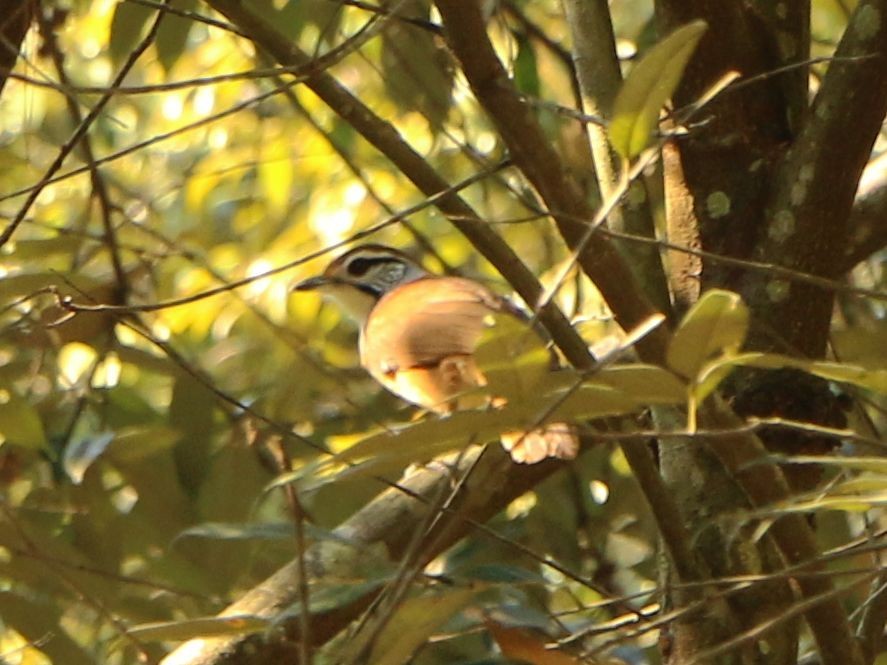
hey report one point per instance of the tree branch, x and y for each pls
(385, 138)
(717, 175)
(14, 25)
(744, 456)
(597, 68)
(868, 227)
(809, 211)
(389, 520)
(533, 153)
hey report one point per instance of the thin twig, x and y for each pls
(80, 131)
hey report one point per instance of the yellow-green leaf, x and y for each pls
(20, 424)
(714, 326)
(870, 379)
(512, 357)
(413, 623)
(647, 384)
(172, 35)
(870, 464)
(127, 26)
(203, 627)
(649, 85)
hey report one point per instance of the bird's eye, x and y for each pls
(358, 267)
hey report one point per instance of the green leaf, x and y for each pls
(43, 248)
(709, 378)
(647, 384)
(430, 437)
(127, 26)
(512, 357)
(249, 531)
(414, 622)
(870, 379)
(556, 401)
(526, 71)
(239, 531)
(496, 573)
(172, 35)
(276, 172)
(191, 412)
(416, 69)
(871, 464)
(179, 631)
(36, 619)
(20, 424)
(714, 326)
(650, 83)
(134, 444)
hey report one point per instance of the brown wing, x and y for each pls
(422, 323)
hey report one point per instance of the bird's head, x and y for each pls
(362, 275)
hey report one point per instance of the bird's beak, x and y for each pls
(312, 283)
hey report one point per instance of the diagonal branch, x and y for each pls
(868, 227)
(533, 153)
(385, 138)
(388, 522)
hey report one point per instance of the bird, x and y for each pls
(419, 332)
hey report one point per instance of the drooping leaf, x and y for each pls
(416, 68)
(526, 68)
(715, 325)
(172, 35)
(350, 571)
(191, 412)
(332, 596)
(423, 440)
(651, 82)
(870, 464)
(127, 26)
(275, 173)
(709, 379)
(43, 248)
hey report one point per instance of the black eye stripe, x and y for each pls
(358, 267)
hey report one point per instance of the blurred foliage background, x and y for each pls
(138, 446)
